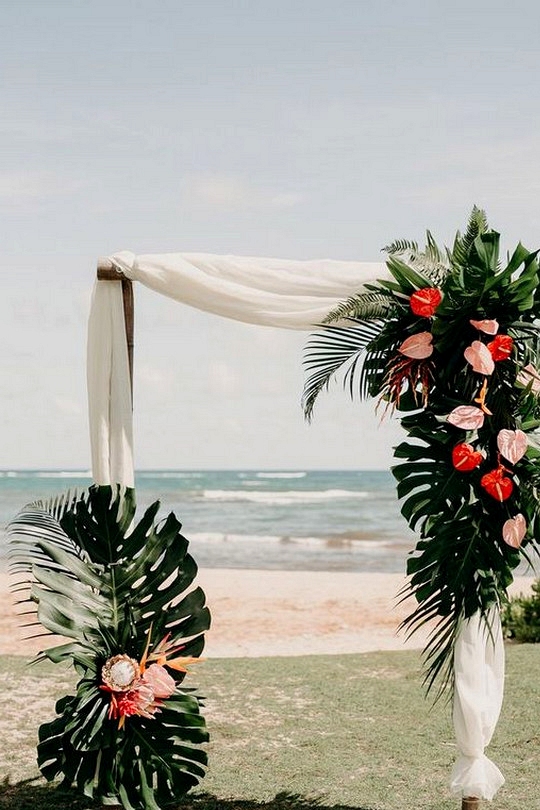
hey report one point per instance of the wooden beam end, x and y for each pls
(106, 270)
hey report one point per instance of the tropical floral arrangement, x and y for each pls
(120, 590)
(451, 340)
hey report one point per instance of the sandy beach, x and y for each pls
(279, 613)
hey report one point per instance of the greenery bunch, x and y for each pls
(450, 341)
(521, 617)
(121, 591)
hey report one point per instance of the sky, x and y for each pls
(287, 129)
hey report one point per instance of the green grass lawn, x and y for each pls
(349, 731)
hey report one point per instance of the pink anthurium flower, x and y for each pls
(418, 346)
(528, 375)
(466, 417)
(160, 682)
(486, 326)
(514, 530)
(512, 444)
(479, 356)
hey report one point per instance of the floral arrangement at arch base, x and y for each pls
(452, 342)
(131, 734)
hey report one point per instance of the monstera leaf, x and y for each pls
(121, 591)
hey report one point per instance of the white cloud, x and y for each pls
(153, 378)
(69, 406)
(20, 185)
(226, 190)
(222, 379)
(23, 187)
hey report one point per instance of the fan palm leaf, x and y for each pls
(333, 349)
(432, 262)
(364, 306)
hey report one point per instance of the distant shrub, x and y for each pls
(521, 617)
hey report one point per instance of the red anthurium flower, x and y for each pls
(497, 485)
(501, 347)
(465, 458)
(424, 302)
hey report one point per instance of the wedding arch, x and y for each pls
(293, 295)
(450, 339)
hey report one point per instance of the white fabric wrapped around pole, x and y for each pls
(478, 696)
(109, 388)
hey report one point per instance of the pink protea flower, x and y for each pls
(120, 673)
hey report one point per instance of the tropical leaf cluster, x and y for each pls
(114, 587)
(463, 562)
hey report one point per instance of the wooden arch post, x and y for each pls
(106, 271)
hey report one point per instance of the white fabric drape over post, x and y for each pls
(479, 687)
(109, 388)
(291, 295)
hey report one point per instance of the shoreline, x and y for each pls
(258, 613)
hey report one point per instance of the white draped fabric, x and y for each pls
(479, 686)
(109, 388)
(269, 292)
(292, 295)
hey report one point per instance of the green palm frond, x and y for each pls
(432, 262)
(363, 307)
(463, 244)
(334, 349)
(114, 587)
(402, 247)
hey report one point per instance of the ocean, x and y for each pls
(288, 520)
